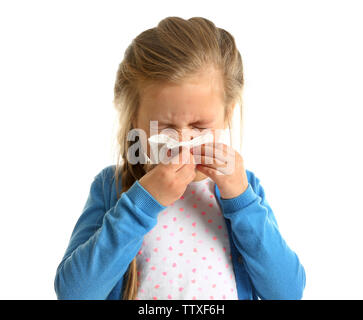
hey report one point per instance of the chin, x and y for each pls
(199, 176)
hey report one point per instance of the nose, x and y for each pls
(187, 135)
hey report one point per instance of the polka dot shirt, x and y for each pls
(186, 256)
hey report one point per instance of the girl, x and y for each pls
(178, 230)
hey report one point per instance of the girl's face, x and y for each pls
(195, 105)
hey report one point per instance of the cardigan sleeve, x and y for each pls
(273, 267)
(103, 243)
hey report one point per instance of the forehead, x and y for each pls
(197, 99)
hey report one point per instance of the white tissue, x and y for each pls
(158, 141)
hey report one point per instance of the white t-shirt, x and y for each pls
(186, 256)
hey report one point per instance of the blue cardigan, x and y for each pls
(110, 232)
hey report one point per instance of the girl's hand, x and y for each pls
(224, 165)
(167, 182)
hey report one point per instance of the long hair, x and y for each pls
(173, 51)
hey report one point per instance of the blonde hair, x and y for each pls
(173, 51)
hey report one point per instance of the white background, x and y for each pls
(302, 134)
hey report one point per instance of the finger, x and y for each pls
(188, 160)
(216, 147)
(187, 171)
(225, 168)
(178, 158)
(221, 152)
(210, 161)
(209, 171)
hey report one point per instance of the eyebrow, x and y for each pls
(196, 122)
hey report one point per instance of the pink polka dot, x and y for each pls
(210, 205)
(203, 213)
(194, 224)
(171, 281)
(170, 248)
(140, 252)
(165, 212)
(219, 273)
(181, 241)
(194, 270)
(164, 259)
(155, 298)
(165, 273)
(219, 227)
(174, 265)
(156, 249)
(195, 250)
(153, 268)
(224, 296)
(188, 215)
(171, 233)
(169, 296)
(211, 297)
(200, 241)
(211, 196)
(158, 238)
(165, 226)
(193, 191)
(224, 249)
(227, 265)
(200, 289)
(214, 285)
(157, 286)
(194, 205)
(198, 199)
(174, 219)
(180, 229)
(194, 234)
(193, 281)
(147, 259)
(180, 253)
(210, 221)
(214, 238)
(182, 197)
(209, 267)
(181, 289)
(194, 298)
(180, 275)
(206, 230)
(181, 209)
(204, 258)
(188, 261)
(212, 249)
